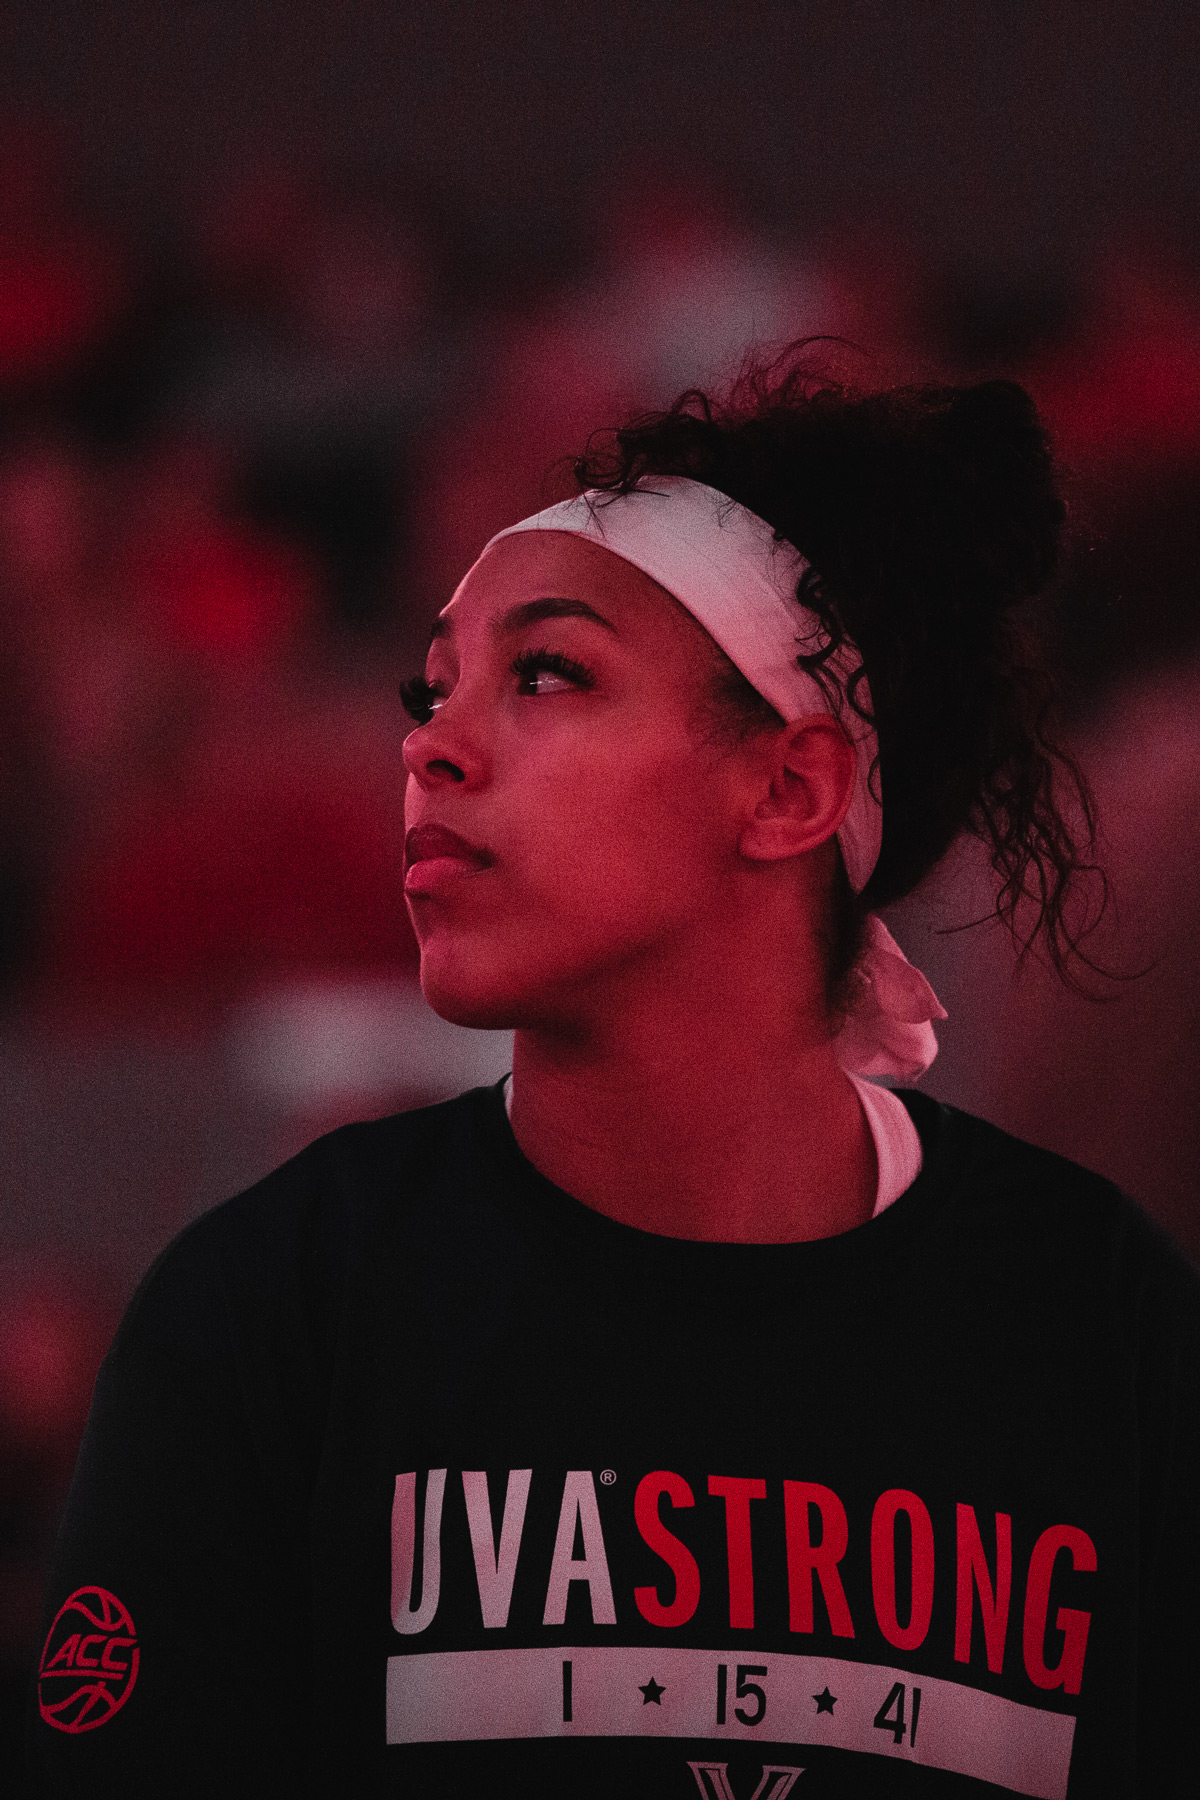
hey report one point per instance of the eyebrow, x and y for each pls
(531, 612)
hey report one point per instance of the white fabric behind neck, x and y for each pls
(897, 1144)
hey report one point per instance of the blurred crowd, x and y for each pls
(244, 460)
(238, 474)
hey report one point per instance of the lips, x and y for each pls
(425, 842)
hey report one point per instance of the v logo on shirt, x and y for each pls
(712, 1778)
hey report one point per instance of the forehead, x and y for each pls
(532, 566)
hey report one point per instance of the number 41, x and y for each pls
(890, 1716)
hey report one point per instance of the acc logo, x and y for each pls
(90, 1662)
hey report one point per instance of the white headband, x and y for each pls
(726, 566)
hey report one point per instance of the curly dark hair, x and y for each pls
(929, 516)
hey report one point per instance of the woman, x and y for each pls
(686, 1412)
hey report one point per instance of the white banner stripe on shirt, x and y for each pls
(743, 1694)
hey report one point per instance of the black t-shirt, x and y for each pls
(409, 1474)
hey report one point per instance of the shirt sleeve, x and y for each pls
(175, 1635)
(1168, 1651)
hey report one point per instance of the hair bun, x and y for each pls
(999, 471)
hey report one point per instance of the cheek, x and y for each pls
(617, 842)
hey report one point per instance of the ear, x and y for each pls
(808, 769)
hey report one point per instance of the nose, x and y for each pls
(441, 751)
(425, 765)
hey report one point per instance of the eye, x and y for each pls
(418, 696)
(551, 662)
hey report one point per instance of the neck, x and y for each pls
(725, 1120)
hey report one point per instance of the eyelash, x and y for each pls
(416, 694)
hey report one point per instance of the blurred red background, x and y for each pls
(297, 306)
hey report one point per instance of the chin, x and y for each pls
(474, 1012)
(478, 1000)
(481, 993)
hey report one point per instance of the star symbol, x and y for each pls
(825, 1701)
(652, 1694)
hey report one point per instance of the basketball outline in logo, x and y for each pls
(95, 1660)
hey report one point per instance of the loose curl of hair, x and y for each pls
(929, 517)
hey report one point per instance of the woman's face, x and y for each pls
(612, 826)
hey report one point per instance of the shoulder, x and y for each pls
(1029, 1202)
(280, 1253)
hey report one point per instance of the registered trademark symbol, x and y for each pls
(607, 1477)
